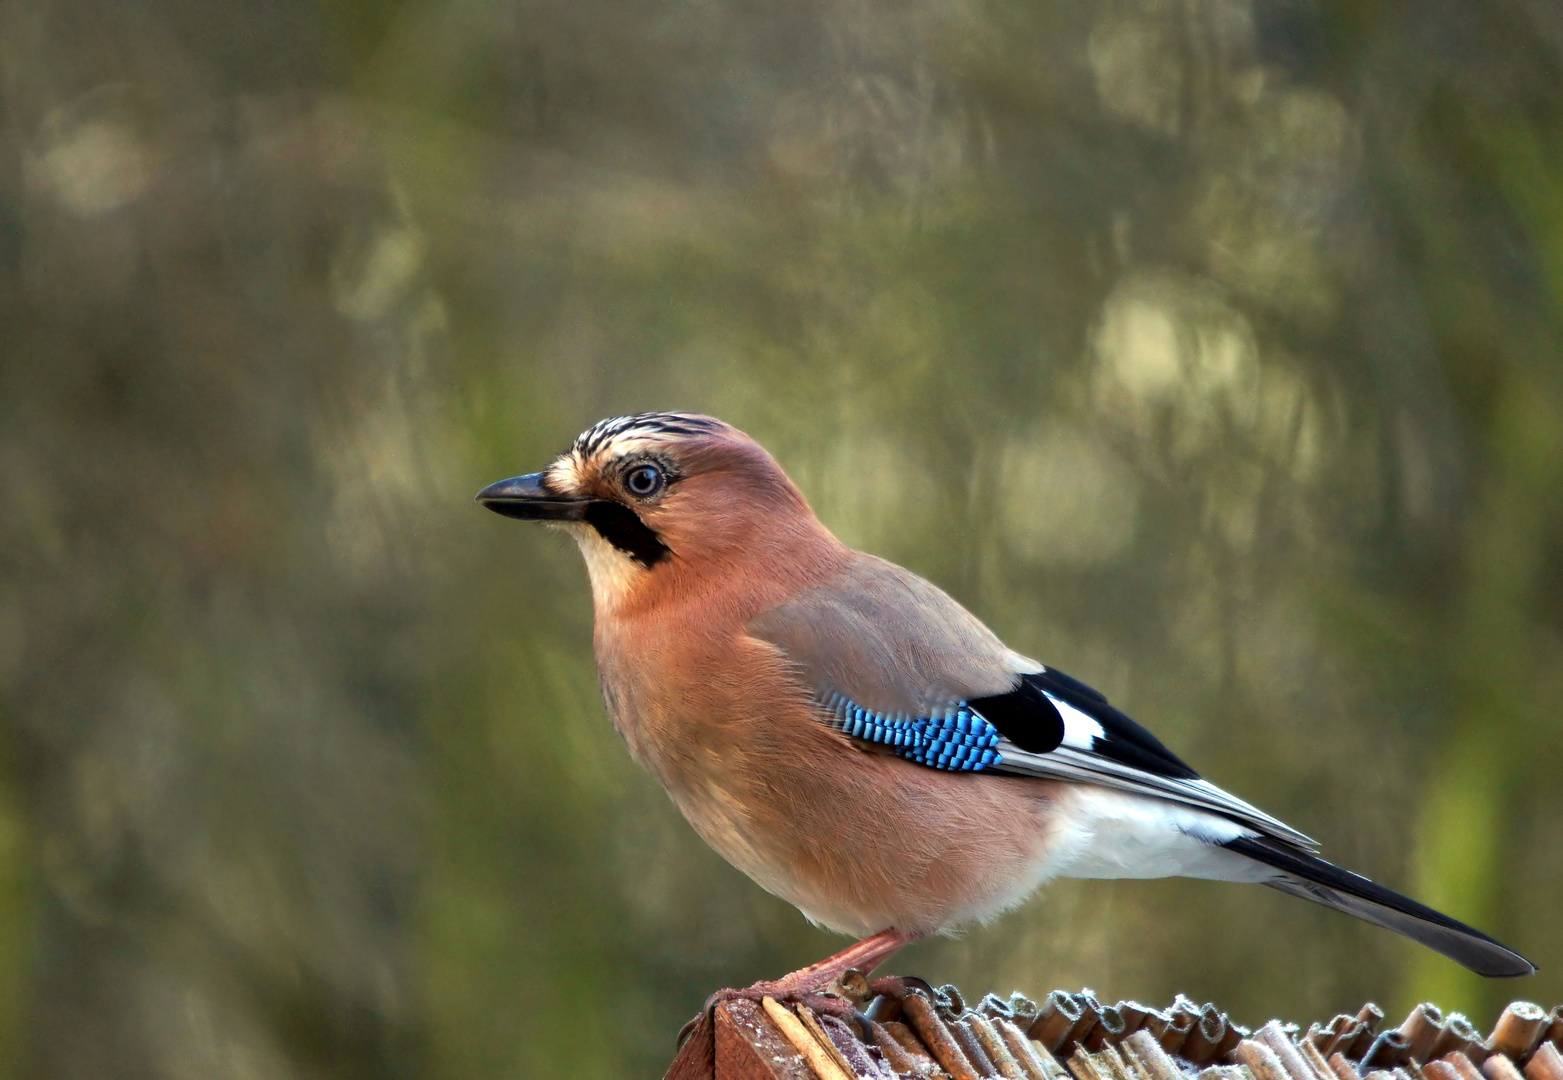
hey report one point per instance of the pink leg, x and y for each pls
(805, 984)
(866, 955)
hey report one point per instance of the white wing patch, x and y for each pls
(1080, 729)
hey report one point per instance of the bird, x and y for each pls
(856, 741)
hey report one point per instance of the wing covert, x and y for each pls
(955, 738)
(896, 664)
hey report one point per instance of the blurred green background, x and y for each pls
(1207, 349)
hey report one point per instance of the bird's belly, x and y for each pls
(860, 842)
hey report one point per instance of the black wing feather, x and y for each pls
(1024, 716)
(1126, 740)
(1027, 717)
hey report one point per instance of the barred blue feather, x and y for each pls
(957, 739)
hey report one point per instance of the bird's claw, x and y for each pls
(825, 1000)
(689, 1028)
(897, 986)
(822, 999)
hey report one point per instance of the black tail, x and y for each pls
(1314, 879)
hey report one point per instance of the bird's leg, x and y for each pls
(866, 955)
(811, 985)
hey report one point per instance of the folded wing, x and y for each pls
(897, 664)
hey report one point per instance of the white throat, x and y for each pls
(614, 575)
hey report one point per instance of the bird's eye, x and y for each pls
(644, 481)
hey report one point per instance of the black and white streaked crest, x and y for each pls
(600, 434)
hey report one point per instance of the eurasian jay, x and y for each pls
(856, 741)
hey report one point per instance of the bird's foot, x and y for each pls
(826, 987)
(824, 1000)
(898, 986)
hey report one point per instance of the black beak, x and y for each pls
(524, 497)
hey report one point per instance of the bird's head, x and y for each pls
(656, 496)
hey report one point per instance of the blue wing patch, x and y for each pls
(957, 739)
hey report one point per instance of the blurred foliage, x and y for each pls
(1208, 349)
